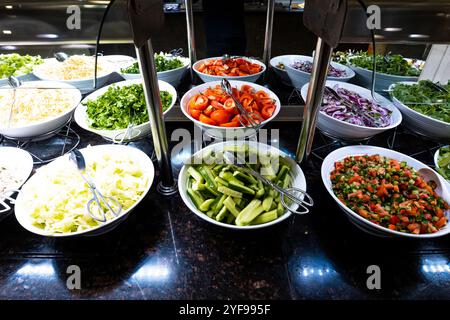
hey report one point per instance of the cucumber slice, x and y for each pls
(229, 192)
(206, 204)
(195, 174)
(231, 206)
(267, 203)
(265, 217)
(196, 197)
(241, 188)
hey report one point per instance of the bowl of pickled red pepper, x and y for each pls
(386, 193)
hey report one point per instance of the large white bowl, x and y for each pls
(173, 76)
(47, 125)
(341, 129)
(19, 161)
(366, 225)
(281, 73)
(139, 131)
(84, 85)
(224, 132)
(363, 78)
(23, 215)
(300, 78)
(210, 78)
(299, 181)
(421, 123)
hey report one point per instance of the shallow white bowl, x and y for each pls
(341, 129)
(19, 161)
(141, 131)
(299, 181)
(210, 78)
(363, 78)
(84, 85)
(47, 125)
(366, 225)
(281, 73)
(223, 132)
(300, 78)
(23, 215)
(173, 76)
(421, 123)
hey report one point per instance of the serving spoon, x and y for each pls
(61, 56)
(442, 188)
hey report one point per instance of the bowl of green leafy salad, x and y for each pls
(425, 107)
(118, 112)
(231, 197)
(17, 65)
(442, 161)
(391, 68)
(169, 68)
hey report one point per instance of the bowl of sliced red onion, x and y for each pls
(299, 70)
(354, 114)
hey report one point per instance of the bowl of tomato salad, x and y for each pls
(241, 68)
(210, 108)
(382, 193)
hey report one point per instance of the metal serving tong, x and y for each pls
(291, 193)
(247, 119)
(176, 52)
(5, 207)
(349, 104)
(104, 204)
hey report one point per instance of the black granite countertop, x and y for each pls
(164, 251)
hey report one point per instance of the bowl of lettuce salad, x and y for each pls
(53, 201)
(442, 161)
(17, 65)
(425, 109)
(169, 68)
(368, 117)
(109, 110)
(391, 68)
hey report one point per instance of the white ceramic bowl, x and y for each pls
(47, 125)
(84, 85)
(435, 158)
(363, 78)
(173, 76)
(95, 152)
(281, 73)
(210, 78)
(421, 123)
(341, 129)
(223, 132)
(140, 131)
(19, 161)
(299, 181)
(300, 78)
(366, 225)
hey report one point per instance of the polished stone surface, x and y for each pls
(163, 251)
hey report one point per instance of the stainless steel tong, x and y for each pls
(295, 195)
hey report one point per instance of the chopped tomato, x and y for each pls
(207, 120)
(201, 102)
(220, 116)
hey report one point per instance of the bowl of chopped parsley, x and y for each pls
(110, 111)
(169, 68)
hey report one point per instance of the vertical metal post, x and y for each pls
(268, 34)
(190, 34)
(167, 185)
(319, 72)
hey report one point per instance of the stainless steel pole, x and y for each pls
(319, 72)
(167, 185)
(268, 34)
(190, 34)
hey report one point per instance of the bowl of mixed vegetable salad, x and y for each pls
(359, 117)
(210, 108)
(230, 197)
(382, 193)
(442, 161)
(391, 68)
(53, 201)
(425, 108)
(231, 68)
(169, 68)
(299, 70)
(278, 64)
(110, 110)
(17, 65)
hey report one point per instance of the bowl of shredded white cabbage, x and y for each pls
(36, 108)
(77, 70)
(53, 201)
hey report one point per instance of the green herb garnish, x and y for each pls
(15, 65)
(162, 61)
(444, 162)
